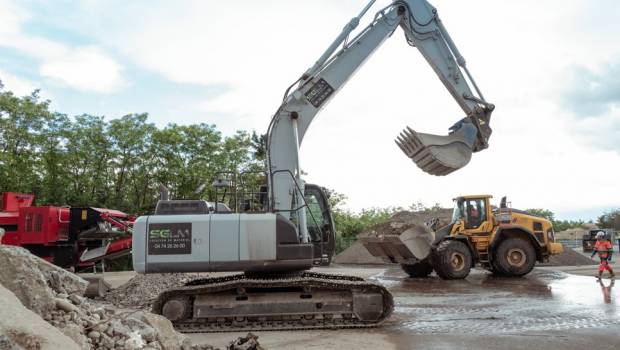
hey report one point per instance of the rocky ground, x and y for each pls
(141, 290)
(43, 307)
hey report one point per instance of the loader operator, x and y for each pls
(604, 249)
(474, 215)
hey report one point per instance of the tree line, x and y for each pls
(87, 160)
(120, 163)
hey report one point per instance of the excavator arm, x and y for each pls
(436, 155)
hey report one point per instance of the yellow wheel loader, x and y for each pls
(503, 240)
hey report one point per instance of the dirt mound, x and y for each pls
(141, 290)
(357, 254)
(395, 225)
(569, 257)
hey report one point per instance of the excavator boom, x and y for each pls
(436, 155)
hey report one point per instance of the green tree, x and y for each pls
(610, 219)
(558, 225)
(545, 213)
(25, 125)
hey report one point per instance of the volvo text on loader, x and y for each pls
(292, 230)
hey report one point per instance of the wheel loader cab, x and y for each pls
(472, 215)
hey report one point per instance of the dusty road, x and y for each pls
(546, 309)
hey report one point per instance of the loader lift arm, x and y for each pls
(437, 155)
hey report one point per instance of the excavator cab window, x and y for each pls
(315, 219)
(318, 215)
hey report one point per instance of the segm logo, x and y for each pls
(161, 233)
(168, 233)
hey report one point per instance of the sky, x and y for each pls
(551, 68)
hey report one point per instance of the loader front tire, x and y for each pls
(514, 257)
(452, 260)
(418, 270)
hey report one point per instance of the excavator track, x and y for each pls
(305, 300)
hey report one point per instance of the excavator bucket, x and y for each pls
(439, 155)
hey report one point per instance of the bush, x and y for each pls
(349, 224)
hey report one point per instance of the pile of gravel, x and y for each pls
(142, 290)
(569, 258)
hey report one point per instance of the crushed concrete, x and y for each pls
(54, 308)
(29, 276)
(141, 290)
(249, 342)
(21, 328)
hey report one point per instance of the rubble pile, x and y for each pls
(52, 313)
(141, 290)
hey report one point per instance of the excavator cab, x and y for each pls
(320, 224)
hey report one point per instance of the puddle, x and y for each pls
(484, 304)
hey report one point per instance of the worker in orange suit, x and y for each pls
(604, 249)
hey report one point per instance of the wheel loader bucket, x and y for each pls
(439, 155)
(413, 245)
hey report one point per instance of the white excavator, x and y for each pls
(274, 246)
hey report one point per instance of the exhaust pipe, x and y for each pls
(164, 193)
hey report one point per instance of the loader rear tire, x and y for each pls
(452, 260)
(514, 257)
(418, 270)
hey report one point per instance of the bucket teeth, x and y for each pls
(436, 155)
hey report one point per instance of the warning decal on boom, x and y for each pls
(170, 238)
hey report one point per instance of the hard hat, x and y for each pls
(600, 234)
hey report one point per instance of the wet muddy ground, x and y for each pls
(546, 309)
(484, 304)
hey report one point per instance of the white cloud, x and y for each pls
(19, 86)
(22, 87)
(84, 68)
(11, 16)
(80, 67)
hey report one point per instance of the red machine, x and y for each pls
(70, 237)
